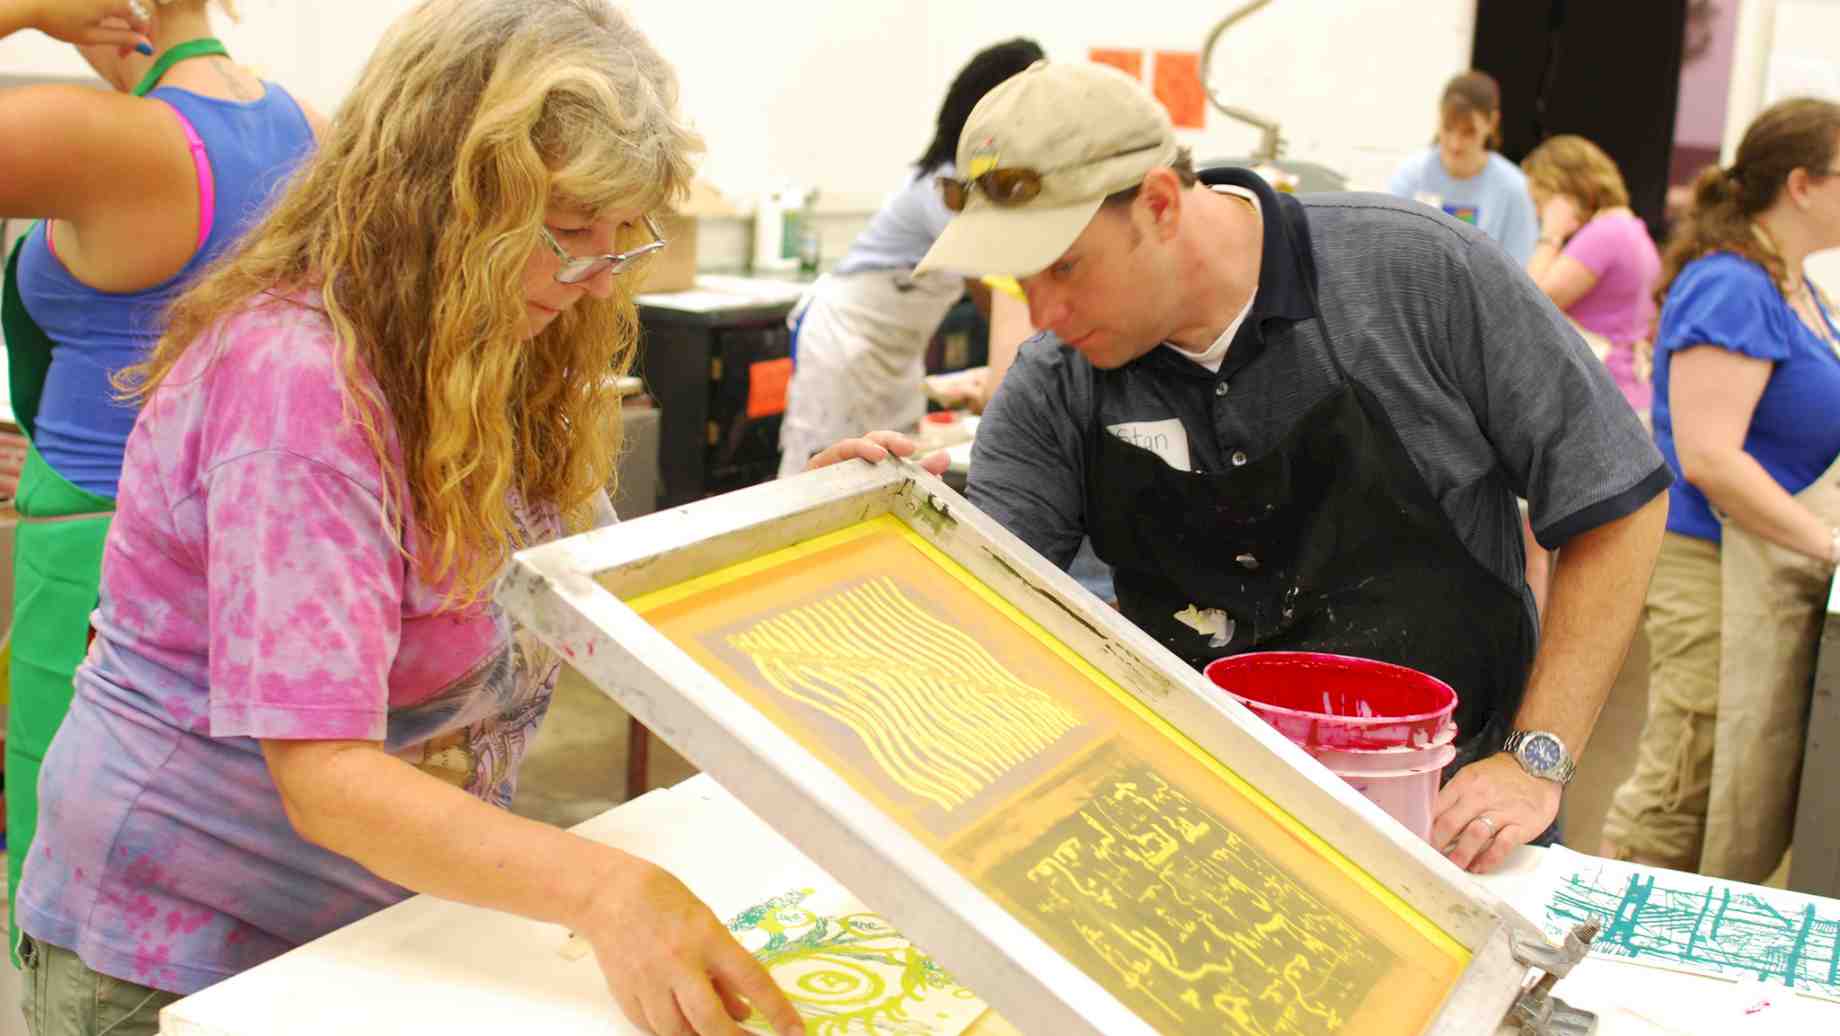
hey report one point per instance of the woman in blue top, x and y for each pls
(1463, 176)
(1747, 376)
(138, 188)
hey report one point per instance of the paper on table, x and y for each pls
(1686, 922)
(848, 971)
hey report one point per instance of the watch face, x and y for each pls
(1543, 752)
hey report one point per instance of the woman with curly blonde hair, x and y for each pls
(302, 704)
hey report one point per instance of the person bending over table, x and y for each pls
(302, 704)
(1303, 424)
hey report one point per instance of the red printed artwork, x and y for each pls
(1130, 62)
(1177, 82)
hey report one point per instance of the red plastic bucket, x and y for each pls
(1339, 702)
(1383, 728)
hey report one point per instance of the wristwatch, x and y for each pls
(1542, 754)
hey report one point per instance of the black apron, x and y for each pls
(1330, 542)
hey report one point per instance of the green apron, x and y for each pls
(57, 564)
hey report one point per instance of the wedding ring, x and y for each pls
(1488, 822)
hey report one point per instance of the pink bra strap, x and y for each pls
(207, 185)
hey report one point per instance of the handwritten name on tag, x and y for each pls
(1166, 439)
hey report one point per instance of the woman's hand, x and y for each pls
(1559, 218)
(80, 21)
(671, 965)
(875, 447)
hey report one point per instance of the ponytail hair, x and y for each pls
(1799, 133)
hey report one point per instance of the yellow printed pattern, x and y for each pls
(1198, 929)
(933, 708)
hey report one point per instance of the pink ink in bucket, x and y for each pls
(1383, 728)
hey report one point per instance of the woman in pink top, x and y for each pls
(302, 703)
(1594, 258)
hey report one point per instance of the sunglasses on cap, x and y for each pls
(1007, 187)
(1010, 186)
(578, 268)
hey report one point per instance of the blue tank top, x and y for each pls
(81, 430)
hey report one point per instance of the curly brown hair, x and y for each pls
(1573, 166)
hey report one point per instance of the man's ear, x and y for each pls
(1161, 196)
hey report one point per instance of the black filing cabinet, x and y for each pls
(717, 363)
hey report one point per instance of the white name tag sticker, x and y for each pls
(1166, 439)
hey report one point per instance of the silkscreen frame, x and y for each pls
(571, 593)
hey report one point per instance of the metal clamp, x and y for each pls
(1538, 1012)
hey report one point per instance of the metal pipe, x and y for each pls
(1271, 144)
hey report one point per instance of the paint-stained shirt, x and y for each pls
(1491, 391)
(252, 590)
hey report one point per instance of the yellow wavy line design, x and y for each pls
(937, 712)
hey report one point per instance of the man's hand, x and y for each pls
(1490, 808)
(874, 448)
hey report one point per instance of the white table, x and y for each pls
(429, 965)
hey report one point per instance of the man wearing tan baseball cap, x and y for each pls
(1302, 424)
(1014, 133)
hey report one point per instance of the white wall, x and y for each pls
(841, 93)
(1784, 47)
(1705, 83)
(1353, 83)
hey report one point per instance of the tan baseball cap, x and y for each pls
(1089, 130)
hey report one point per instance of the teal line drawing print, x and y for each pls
(848, 972)
(1684, 922)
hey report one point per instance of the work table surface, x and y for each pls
(430, 965)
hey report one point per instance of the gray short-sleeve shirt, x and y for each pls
(1493, 394)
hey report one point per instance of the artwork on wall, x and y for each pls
(1158, 872)
(1177, 83)
(1126, 60)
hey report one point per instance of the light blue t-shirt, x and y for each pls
(908, 223)
(1494, 200)
(1728, 301)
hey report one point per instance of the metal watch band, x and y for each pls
(1563, 773)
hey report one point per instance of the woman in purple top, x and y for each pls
(302, 702)
(1594, 258)
(1747, 377)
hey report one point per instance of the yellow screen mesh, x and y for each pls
(1140, 858)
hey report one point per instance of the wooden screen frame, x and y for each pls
(571, 593)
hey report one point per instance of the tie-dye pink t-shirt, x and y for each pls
(250, 590)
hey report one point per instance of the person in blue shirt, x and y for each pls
(1747, 374)
(1463, 177)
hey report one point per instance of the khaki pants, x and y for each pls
(1774, 601)
(64, 997)
(1658, 816)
